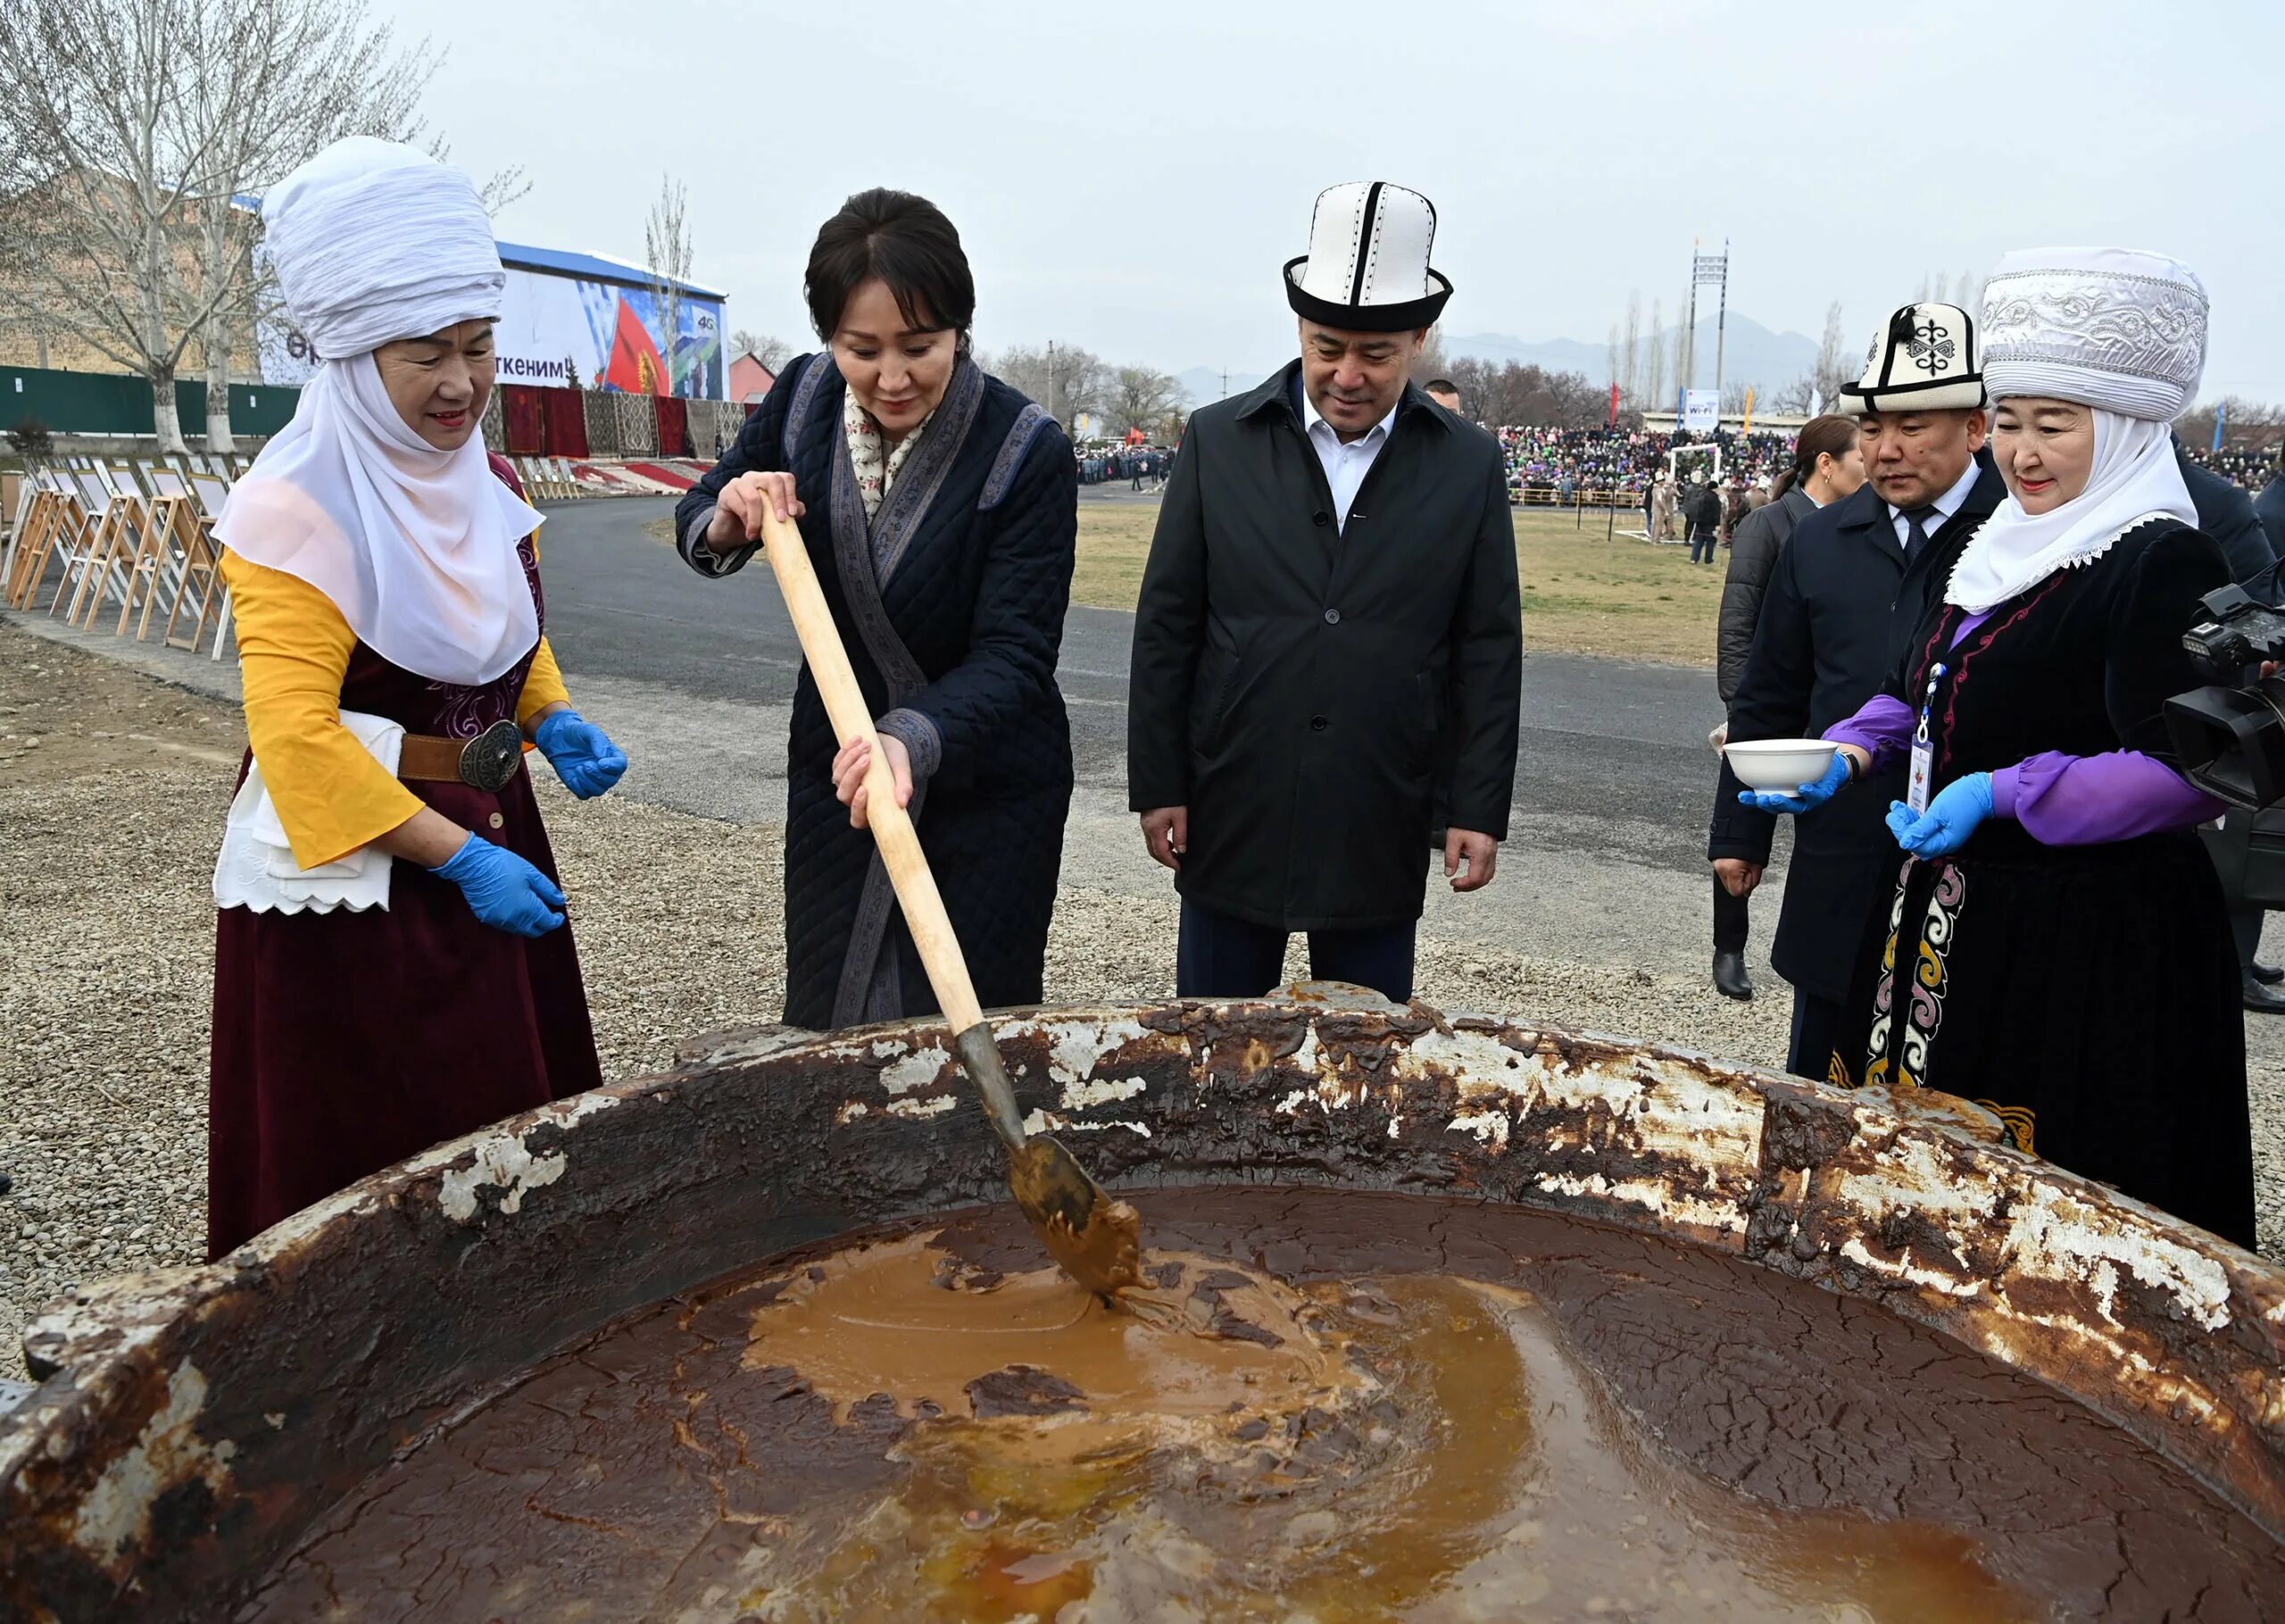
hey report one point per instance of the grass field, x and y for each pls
(1582, 595)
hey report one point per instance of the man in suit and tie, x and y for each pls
(1840, 604)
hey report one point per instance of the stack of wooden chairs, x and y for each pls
(548, 478)
(88, 534)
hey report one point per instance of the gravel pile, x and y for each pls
(107, 837)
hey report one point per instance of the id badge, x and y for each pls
(1924, 763)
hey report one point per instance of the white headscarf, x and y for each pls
(416, 547)
(2134, 477)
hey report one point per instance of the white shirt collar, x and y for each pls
(1312, 419)
(1949, 503)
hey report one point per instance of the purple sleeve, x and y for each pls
(1882, 729)
(2084, 800)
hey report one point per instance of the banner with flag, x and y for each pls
(1614, 406)
(2221, 416)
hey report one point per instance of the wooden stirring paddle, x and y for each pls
(1096, 1239)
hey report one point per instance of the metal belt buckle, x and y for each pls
(490, 759)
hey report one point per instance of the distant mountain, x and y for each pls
(1752, 353)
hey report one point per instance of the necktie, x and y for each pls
(1917, 520)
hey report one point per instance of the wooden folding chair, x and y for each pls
(50, 524)
(199, 587)
(94, 575)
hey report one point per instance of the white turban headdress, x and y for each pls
(374, 241)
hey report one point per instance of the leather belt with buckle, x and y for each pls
(486, 762)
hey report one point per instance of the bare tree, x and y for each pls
(1833, 369)
(133, 129)
(1655, 396)
(1143, 398)
(278, 80)
(667, 250)
(1064, 378)
(1432, 362)
(1794, 397)
(771, 350)
(1630, 351)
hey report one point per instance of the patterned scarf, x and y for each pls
(875, 472)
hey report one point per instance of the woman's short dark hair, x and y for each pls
(904, 240)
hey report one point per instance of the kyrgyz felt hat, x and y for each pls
(2106, 327)
(1366, 269)
(1926, 358)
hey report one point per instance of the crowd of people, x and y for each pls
(1628, 460)
(1143, 468)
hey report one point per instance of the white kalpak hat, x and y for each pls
(374, 241)
(2104, 327)
(1924, 359)
(1366, 269)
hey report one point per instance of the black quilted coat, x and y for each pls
(951, 602)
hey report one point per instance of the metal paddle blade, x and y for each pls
(1098, 1240)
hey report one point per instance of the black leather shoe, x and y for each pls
(2266, 1000)
(2268, 976)
(1731, 981)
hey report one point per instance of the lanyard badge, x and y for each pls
(1923, 753)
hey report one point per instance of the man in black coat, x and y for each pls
(1841, 602)
(1705, 522)
(1329, 624)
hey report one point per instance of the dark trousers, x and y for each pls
(1731, 920)
(1816, 1021)
(2246, 920)
(1706, 539)
(1221, 958)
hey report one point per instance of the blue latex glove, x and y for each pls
(581, 755)
(1808, 798)
(506, 892)
(1951, 819)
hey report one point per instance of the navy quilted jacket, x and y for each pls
(978, 534)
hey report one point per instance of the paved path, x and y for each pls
(1613, 786)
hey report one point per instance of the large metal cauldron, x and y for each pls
(193, 1422)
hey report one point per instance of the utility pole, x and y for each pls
(1051, 383)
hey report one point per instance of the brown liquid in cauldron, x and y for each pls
(1328, 1406)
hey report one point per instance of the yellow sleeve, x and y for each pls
(294, 648)
(542, 685)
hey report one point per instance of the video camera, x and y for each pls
(2230, 736)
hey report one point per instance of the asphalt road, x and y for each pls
(1614, 782)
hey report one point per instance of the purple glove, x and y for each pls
(504, 891)
(580, 752)
(1951, 819)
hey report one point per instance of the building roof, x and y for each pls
(593, 267)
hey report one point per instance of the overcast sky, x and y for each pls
(1130, 178)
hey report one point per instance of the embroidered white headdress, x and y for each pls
(2112, 327)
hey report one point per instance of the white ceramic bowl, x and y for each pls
(1778, 763)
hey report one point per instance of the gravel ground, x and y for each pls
(108, 827)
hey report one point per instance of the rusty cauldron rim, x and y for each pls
(192, 1422)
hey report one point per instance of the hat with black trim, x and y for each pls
(1366, 269)
(1926, 358)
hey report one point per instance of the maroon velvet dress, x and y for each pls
(349, 1040)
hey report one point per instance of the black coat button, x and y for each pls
(1318, 724)
(1332, 617)
(1320, 519)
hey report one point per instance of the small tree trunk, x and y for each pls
(218, 439)
(164, 417)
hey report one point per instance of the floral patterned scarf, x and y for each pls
(875, 472)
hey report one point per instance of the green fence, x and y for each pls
(114, 403)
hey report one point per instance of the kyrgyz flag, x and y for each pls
(636, 365)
